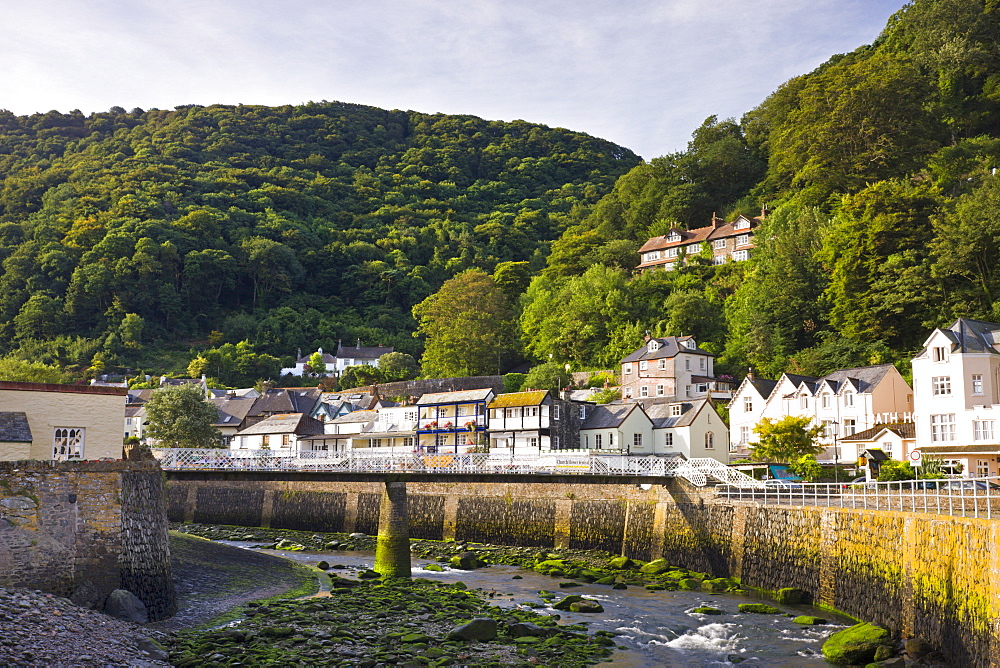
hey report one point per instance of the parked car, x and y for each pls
(965, 484)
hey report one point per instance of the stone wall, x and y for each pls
(83, 529)
(936, 577)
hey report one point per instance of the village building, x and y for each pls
(671, 367)
(60, 422)
(335, 364)
(618, 428)
(452, 421)
(956, 388)
(721, 241)
(871, 447)
(692, 429)
(843, 402)
(281, 434)
(535, 421)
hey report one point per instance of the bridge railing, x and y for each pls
(967, 497)
(360, 461)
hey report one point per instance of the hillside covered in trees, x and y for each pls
(124, 235)
(879, 169)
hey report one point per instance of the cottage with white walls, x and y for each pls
(690, 429)
(618, 428)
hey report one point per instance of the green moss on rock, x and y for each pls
(759, 608)
(855, 645)
(808, 620)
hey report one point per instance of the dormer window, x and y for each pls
(653, 346)
(741, 224)
(940, 354)
(673, 237)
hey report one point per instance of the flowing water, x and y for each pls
(656, 627)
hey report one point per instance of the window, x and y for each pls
(668, 439)
(675, 410)
(941, 386)
(709, 440)
(533, 442)
(850, 427)
(887, 448)
(848, 398)
(741, 224)
(597, 441)
(531, 411)
(555, 411)
(510, 412)
(286, 440)
(741, 255)
(977, 383)
(748, 404)
(628, 392)
(670, 252)
(687, 363)
(643, 391)
(982, 468)
(653, 346)
(720, 259)
(376, 443)
(649, 257)
(719, 243)
(943, 427)
(663, 364)
(687, 390)
(804, 402)
(555, 442)
(743, 240)
(660, 390)
(636, 440)
(611, 439)
(67, 443)
(701, 363)
(673, 237)
(982, 430)
(694, 248)
(670, 266)
(409, 415)
(440, 440)
(825, 397)
(407, 441)
(627, 368)
(583, 412)
(643, 365)
(939, 354)
(744, 434)
(265, 441)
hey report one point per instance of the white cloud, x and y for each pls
(643, 73)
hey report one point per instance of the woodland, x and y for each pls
(135, 242)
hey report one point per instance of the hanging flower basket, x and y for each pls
(470, 425)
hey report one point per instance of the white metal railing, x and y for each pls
(372, 460)
(709, 468)
(968, 497)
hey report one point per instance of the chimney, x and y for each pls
(716, 221)
(647, 337)
(359, 344)
(764, 212)
(750, 373)
(298, 353)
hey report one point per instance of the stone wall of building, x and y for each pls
(932, 576)
(83, 529)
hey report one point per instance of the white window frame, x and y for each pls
(627, 368)
(598, 438)
(850, 427)
(673, 237)
(693, 248)
(670, 253)
(983, 430)
(719, 243)
(977, 383)
(745, 434)
(743, 240)
(748, 404)
(741, 255)
(848, 398)
(939, 354)
(643, 365)
(741, 224)
(555, 411)
(68, 443)
(668, 439)
(804, 402)
(660, 390)
(663, 364)
(709, 440)
(825, 399)
(720, 259)
(943, 427)
(637, 440)
(675, 410)
(628, 391)
(941, 386)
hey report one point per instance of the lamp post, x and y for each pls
(834, 428)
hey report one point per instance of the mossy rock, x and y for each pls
(855, 645)
(718, 584)
(417, 638)
(589, 575)
(759, 608)
(467, 561)
(569, 585)
(550, 564)
(652, 586)
(567, 601)
(792, 596)
(706, 610)
(323, 565)
(619, 585)
(586, 605)
(689, 583)
(609, 580)
(655, 567)
(808, 620)
(434, 567)
(368, 575)
(278, 631)
(621, 563)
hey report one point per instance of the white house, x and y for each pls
(394, 427)
(282, 434)
(535, 421)
(881, 443)
(691, 429)
(346, 356)
(843, 402)
(956, 387)
(621, 428)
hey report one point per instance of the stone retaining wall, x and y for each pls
(932, 576)
(83, 529)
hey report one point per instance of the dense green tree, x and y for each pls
(785, 440)
(466, 324)
(397, 366)
(181, 417)
(359, 376)
(551, 376)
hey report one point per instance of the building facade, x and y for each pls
(452, 421)
(533, 422)
(721, 241)
(671, 367)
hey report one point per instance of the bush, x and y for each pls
(893, 470)
(513, 382)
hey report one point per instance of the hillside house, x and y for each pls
(346, 356)
(536, 421)
(724, 242)
(689, 428)
(671, 367)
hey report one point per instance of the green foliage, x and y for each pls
(807, 468)
(606, 396)
(785, 440)
(893, 470)
(316, 366)
(181, 417)
(550, 376)
(513, 382)
(397, 366)
(236, 365)
(358, 376)
(468, 324)
(31, 372)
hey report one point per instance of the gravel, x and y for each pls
(39, 629)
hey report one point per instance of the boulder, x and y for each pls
(792, 596)
(357, 535)
(718, 584)
(759, 608)
(154, 649)
(323, 565)
(689, 583)
(621, 563)
(706, 610)
(808, 620)
(526, 629)
(619, 585)
(586, 605)
(123, 604)
(568, 601)
(482, 628)
(917, 648)
(655, 567)
(855, 645)
(434, 567)
(467, 561)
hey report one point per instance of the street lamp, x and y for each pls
(834, 427)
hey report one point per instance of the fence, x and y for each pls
(968, 497)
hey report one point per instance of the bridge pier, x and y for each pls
(392, 551)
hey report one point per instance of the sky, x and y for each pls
(641, 73)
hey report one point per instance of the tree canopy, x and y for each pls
(181, 417)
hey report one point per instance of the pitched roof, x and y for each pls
(710, 232)
(14, 427)
(763, 386)
(668, 346)
(455, 397)
(327, 358)
(356, 416)
(289, 423)
(286, 400)
(906, 430)
(607, 416)
(357, 352)
(662, 418)
(973, 336)
(534, 398)
(869, 376)
(232, 409)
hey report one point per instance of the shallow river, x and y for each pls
(655, 626)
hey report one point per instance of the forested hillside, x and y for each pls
(126, 234)
(879, 171)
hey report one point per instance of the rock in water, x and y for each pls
(855, 645)
(792, 596)
(586, 605)
(467, 561)
(482, 628)
(123, 604)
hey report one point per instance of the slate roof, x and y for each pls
(290, 423)
(973, 336)
(286, 400)
(669, 346)
(534, 398)
(356, 416)
(763, 386)
(661, 417)
(869, 376)
(356, 352)
(709, 233)
(960, 449)
(232, 410)
(608, 416)
(14, 427)
(327, 358)
(906, 430)
(459, 396)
